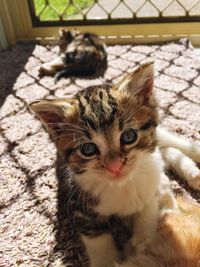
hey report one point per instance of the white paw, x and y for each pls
(194, 182)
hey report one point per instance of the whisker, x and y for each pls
(74, 131)
(64, 135)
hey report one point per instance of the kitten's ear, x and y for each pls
(52, 112)
(66, 34)
(140, 82)
(62, 32)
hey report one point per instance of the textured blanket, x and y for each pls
(30, 234)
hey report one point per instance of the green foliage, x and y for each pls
(58, 7)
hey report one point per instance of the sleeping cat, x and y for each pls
(112, 154)
(81, 54)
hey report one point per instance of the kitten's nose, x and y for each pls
(114, 166)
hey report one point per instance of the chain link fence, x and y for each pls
(97, 12)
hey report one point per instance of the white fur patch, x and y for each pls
(101, 250)
(133, 193)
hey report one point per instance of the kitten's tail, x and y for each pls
(167, 139)
(60, 74)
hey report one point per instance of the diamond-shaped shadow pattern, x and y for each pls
(85, 10)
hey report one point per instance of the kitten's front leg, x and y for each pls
(167, 201)
(101, 250)
(145, 226)
(143, 233)
(50, 68)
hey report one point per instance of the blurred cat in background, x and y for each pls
(81, 54)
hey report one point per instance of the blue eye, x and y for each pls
(88, 149)
(128, 137)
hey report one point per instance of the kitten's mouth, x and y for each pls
(118, 176)
(116, 170)
(122, 175)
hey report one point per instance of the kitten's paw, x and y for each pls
(165, 212)
(194, 182)
(45, 69)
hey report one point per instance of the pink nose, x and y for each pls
(114, 166)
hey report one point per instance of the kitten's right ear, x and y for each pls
(139, 83)
(62, 32)
(52, 112)
(66, 34)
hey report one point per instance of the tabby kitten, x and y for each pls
(80, 54)
(107, 140)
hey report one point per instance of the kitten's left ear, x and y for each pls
(140, 82)
(52, 112)
(65, 34)
(61, 32)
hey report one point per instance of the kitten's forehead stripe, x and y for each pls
(81, 105)
(101, 95)
(97, 107)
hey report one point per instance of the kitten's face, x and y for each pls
(104, 130)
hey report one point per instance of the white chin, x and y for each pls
(118, 179)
